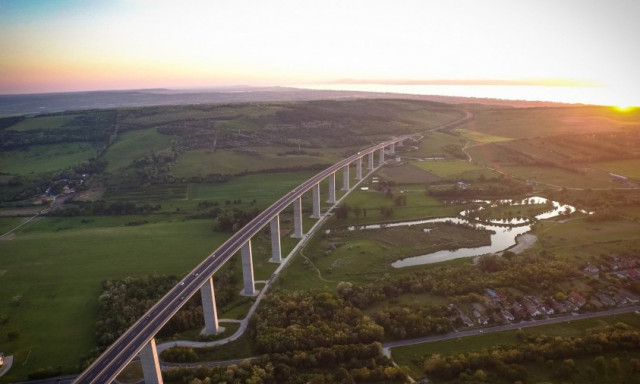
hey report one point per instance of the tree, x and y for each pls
(342, 212)
(386, 212)
(357, 211)
(12, 335)
(16, 300)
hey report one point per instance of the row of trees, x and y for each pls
(101, 207)
(302, 320)
(92, 126)
(409, 322)
(505, 361)
(539, 274)
(337, 364)
(231, 220)
(124, 301)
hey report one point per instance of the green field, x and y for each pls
(132, 145)
(262, 187)
(43, 122)
(412, 356)
(418, 205)
(363, 255)
(8, 223)
(204, 162)
(447, 169)
(433, 143)
(482, 137)
(532, 122)
(582, 239)
(627, 168)
(556, 177)
(68, 258)
(45, 158)
(407, 174)
(57, 265)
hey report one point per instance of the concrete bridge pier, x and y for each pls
(370, 162)
(150, 363)
(332, 188)
(209, 310)
(359, 169)
(297, 218)
(381, 155)
(345, 177)
(393, 148)
(276, 252)
(316, 201)
(247, 270)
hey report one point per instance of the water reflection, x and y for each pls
(505, 231)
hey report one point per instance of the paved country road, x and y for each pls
(386, 347)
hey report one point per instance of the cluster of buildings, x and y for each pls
(497, 308)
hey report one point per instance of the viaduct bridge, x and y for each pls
(139, 338)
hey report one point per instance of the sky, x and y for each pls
(73, 45)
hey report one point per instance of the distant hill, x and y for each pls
(57, 102)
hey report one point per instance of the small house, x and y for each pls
(577, 299)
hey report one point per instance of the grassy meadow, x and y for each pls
(518, 123)
(204, 162)
(45, 158)
(627, 168)
(448, 169)
(57, 265)
(132, 145)
(44, 122)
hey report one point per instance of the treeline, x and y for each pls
(409, 322)
(505, 362)
(124, 301)
(93, 127)
(539, 274)
(303, 320)
(103, 208)
(231, 220)
(153, 168)
(505, 187)
(6, 122)
(337, 364)
(25, 187)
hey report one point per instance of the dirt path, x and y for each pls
(524, 242)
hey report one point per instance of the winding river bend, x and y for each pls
(504, 231)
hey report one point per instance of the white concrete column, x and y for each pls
(332, 188)
(276, 251)
(393, 148)
(316, 201)
(297, 218)
(359, 169)
(209, 310)
(150, 363)
(345, 177)
(247, 270)
(370, 163)
(381, 153)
